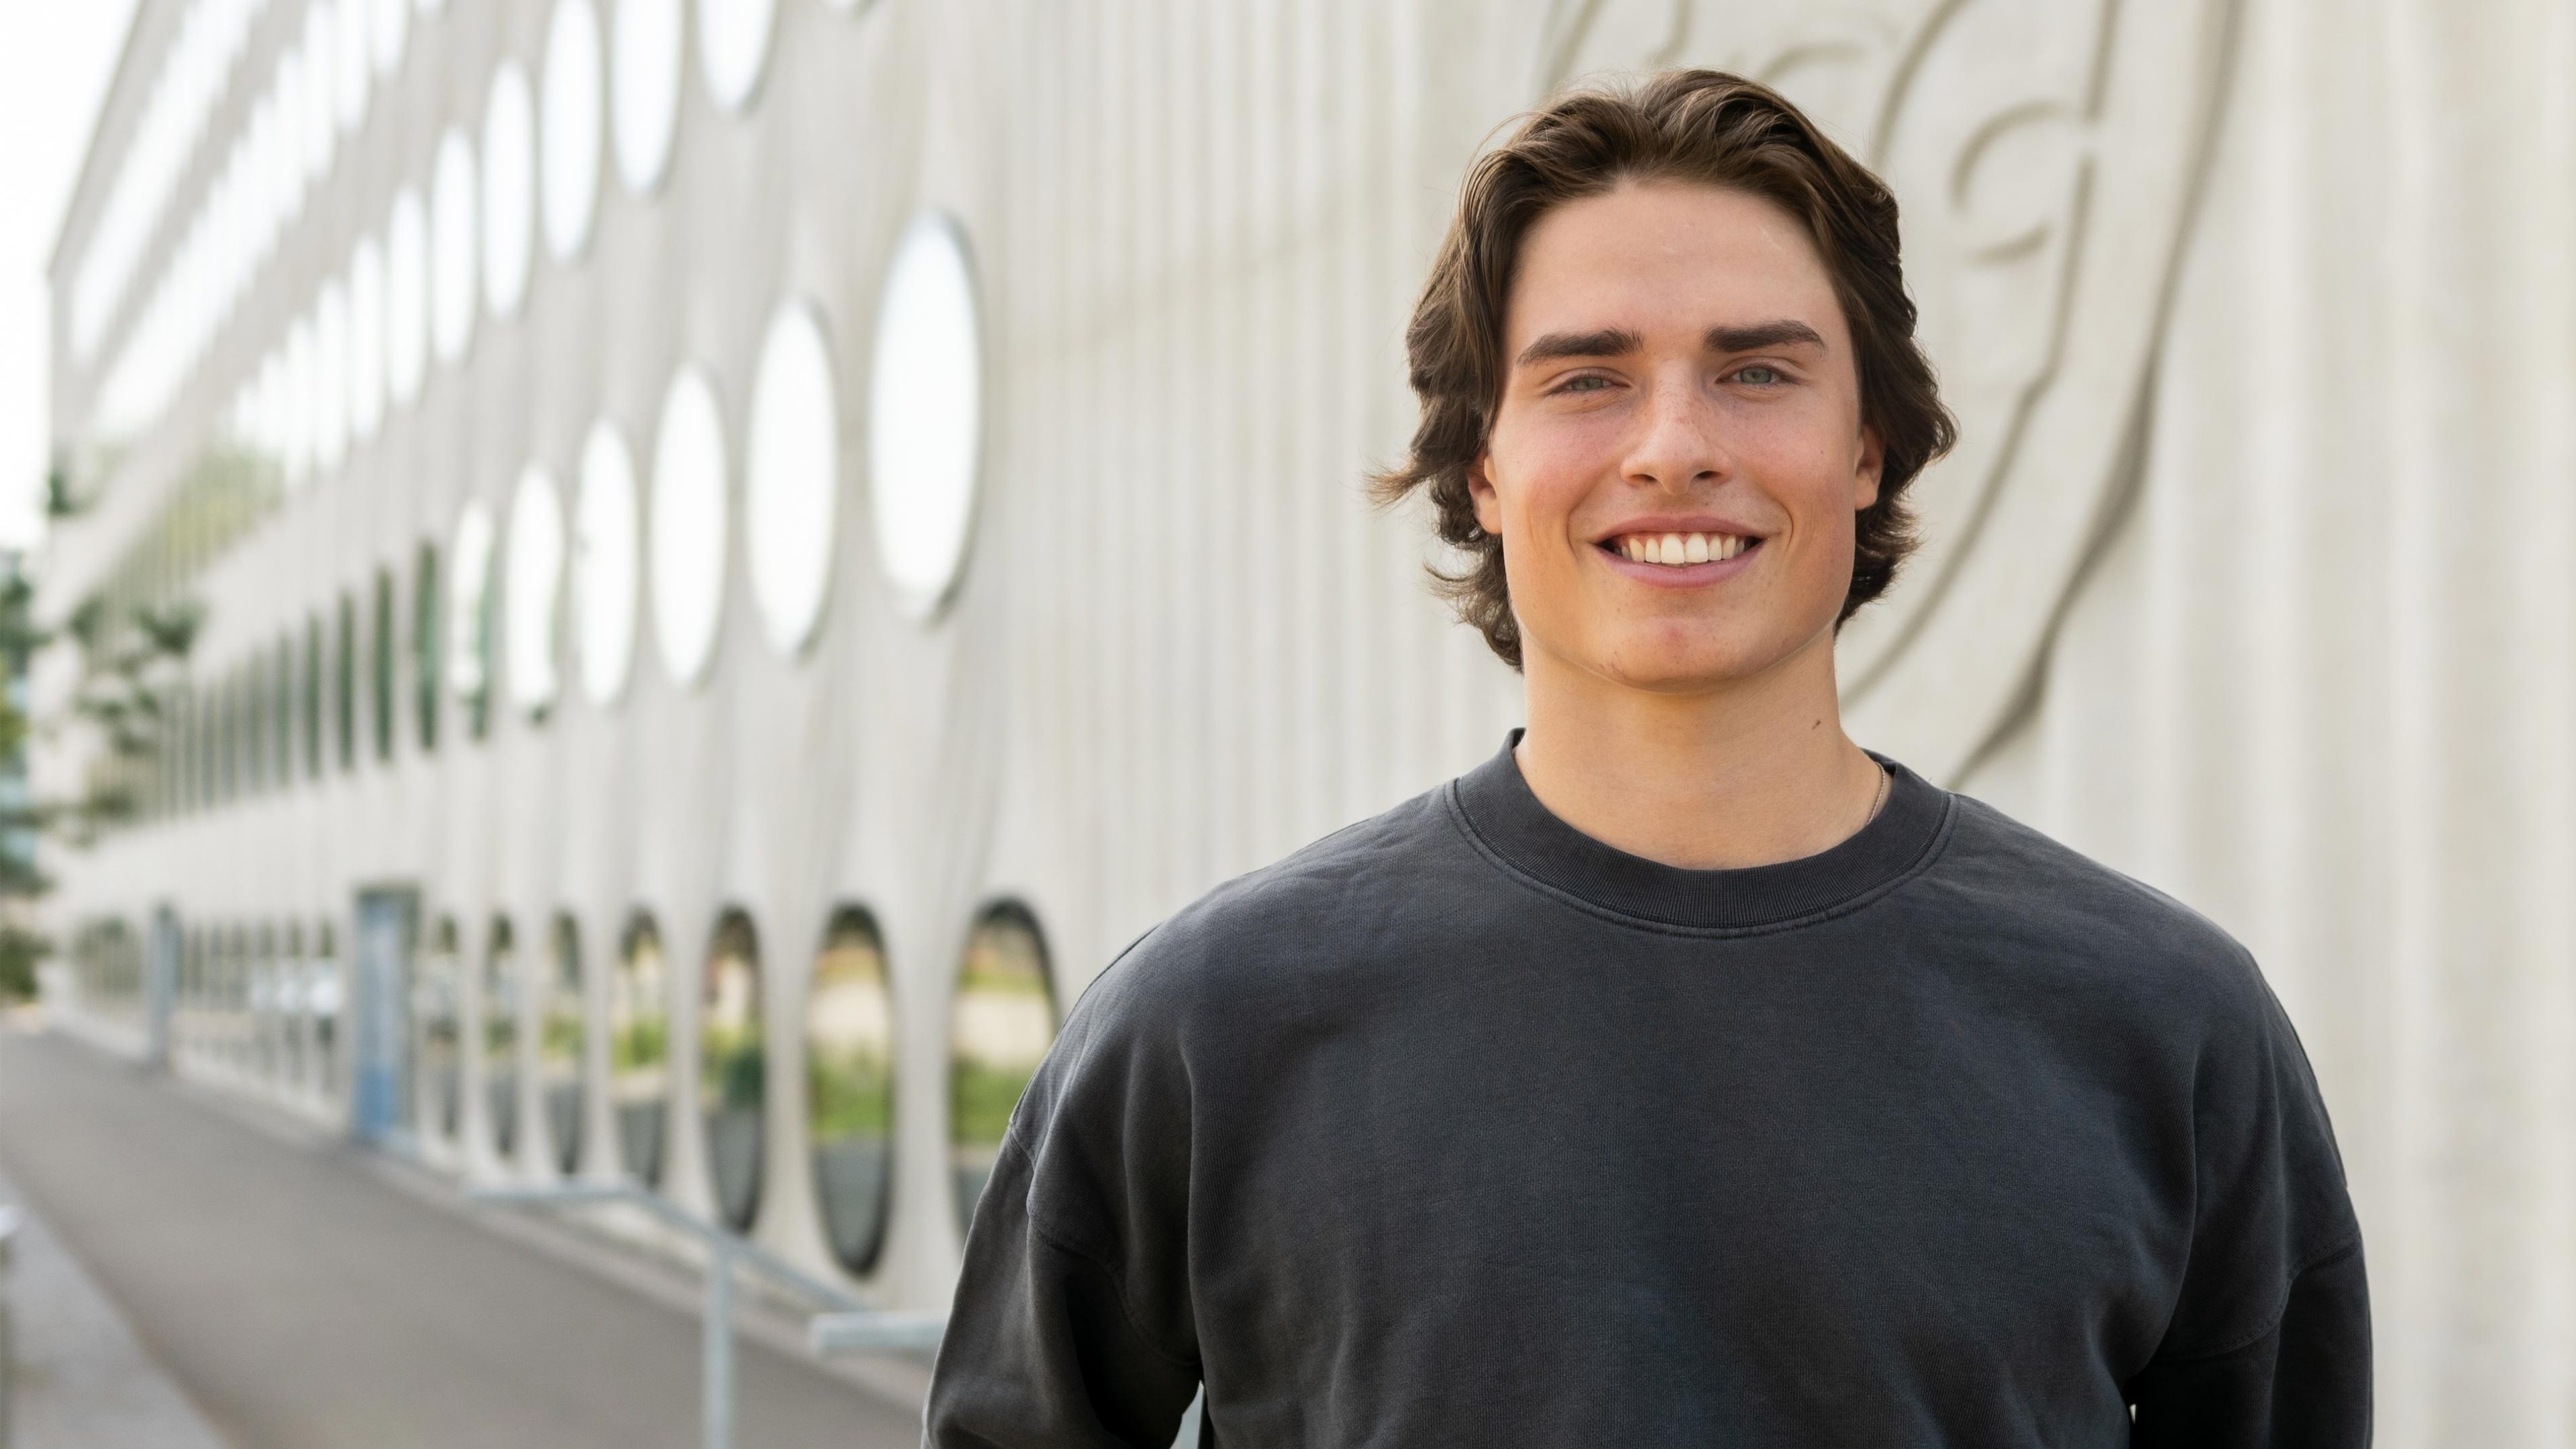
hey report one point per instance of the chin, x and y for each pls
(1668, 666)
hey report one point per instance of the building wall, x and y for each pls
(2319, 681)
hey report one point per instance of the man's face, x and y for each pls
(1678, 454)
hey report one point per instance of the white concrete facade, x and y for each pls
(2244, 578)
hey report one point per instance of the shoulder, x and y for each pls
(1208, 986)
(2034, 898)
(1326, 907)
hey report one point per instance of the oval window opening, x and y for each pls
(265, 1012)
(1000, 1028)
(501, 1037)
(733, 1068)
(469, 625)
(569, 158)
(325, 996)
(792, 476)
(733, 47)
(605, 540)
(925, 415)
(562, 1043)
(639, 1046)
(688, 526)
(442, 1093)
(533, 592)
(455, 275)
(644, 98)
(849, 1087)
(295, 982)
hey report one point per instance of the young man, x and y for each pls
(1683, 1075)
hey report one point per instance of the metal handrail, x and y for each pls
(874, 1331)
(851, 1327)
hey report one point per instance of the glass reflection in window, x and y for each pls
(295, 1011)
(687, 525)
(380, 662)
(344, 680)
(568, 159)
(560, 1043)
(424, 646)
(501, 1036)
(925, 414)
(469, 602)
(1002, 1024)
(606, 536)
(509, 189)
(732, 1070)
(267, 1050)
(313, 696)
(532, 592)
(282, 700)
(436, 1009)
(323, 997)
(733, 47)
(644, 89)
(639, 1046)
(849, 1087)
(791, 480)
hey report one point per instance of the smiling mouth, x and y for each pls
(1679, 550)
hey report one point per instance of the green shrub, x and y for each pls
(20, 950)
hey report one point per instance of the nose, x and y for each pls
(1679, 444)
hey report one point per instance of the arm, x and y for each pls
(1042, 1348)
(1073, 1325)
(2303, 1384)
(2269, 1343)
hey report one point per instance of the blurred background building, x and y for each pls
(654, 587)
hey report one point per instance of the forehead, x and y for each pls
(1668, 258)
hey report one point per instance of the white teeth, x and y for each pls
(1679, 550)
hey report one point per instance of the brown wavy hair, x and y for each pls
(1697, 126)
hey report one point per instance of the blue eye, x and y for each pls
(1759, 375)
(1584, 384)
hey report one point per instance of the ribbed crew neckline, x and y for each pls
(1500, 810)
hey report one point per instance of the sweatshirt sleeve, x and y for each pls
(2304, 1384)
(1072, 1325)
(2269, 1343)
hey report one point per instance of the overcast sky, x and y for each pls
(55, 57)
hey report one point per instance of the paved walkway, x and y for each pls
(303, 1302)
(82, 1381)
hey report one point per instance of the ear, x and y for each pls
(1480, 487)
(1865, 474)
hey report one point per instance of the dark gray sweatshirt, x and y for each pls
(1460, 1127)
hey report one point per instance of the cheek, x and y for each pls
(1543, 474)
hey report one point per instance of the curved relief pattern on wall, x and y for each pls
(2047, 154)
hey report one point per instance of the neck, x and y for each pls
(1752, 772)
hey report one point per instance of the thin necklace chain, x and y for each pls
(1885, 779)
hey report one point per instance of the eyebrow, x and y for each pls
(1619, 341)
(1761, 335)
(1608, 342)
